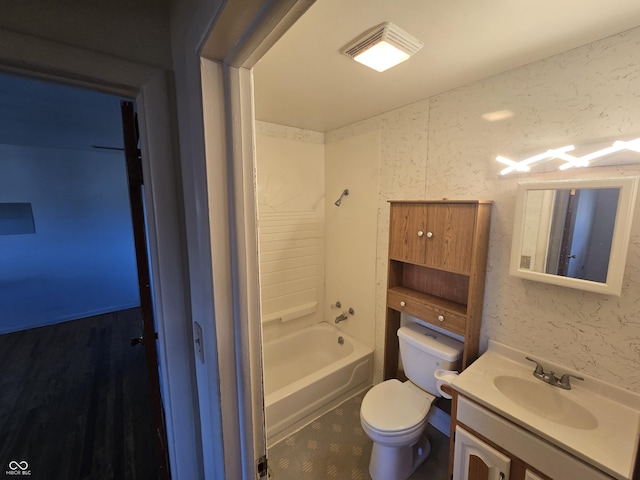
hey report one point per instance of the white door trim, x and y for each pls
(228, 82)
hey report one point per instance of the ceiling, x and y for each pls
(304, 81)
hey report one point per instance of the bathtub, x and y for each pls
(309, 372)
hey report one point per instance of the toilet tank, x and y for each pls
(423, 351)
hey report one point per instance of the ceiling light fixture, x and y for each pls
(571, 161)
(383, 47)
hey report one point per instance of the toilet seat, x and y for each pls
(394, 408)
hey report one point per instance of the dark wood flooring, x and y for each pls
(74, 400)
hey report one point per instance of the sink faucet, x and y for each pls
(550, 376)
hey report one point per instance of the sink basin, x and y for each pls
(546, 401)
(596, 423)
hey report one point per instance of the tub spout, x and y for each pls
(341, 317)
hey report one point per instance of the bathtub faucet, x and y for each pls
(341, 317)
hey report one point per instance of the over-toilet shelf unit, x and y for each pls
(437, 264)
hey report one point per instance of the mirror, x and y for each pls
(574, 233)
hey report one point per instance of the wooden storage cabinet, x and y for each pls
(437, 264)
(437, 235)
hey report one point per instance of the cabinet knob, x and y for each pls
(441, 318)
(402, 304)
(420, 233)
(429, 234)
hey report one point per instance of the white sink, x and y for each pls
(594, 421)
(546, 401)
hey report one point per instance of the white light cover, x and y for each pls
(382, 47)
(381, 56)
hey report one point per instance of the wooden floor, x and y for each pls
(74, 400)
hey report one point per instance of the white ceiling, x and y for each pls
(304, 81)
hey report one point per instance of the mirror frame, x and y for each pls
(620, 242)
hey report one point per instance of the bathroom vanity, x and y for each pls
(510, 425)
(437, 263)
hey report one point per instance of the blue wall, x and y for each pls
(81, 259)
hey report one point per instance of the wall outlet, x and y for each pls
(525, 262)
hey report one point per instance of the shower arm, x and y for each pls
(345, 192)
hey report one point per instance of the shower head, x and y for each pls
(339, 201)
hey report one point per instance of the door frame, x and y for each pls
(226, 60)
(191, 278)
(150, 86)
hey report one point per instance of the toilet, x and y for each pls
(394, 414)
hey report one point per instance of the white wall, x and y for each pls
(441, 147)
(290, 188)
(352, 163)
(190, 23)
(297, 172)
(81, 259)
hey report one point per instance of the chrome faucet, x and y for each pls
(341, 317)
(550, 376)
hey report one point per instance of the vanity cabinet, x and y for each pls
(476, 460)
(437, 264)
(488, 446)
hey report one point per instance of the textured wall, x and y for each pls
(442, 147)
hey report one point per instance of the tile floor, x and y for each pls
(335, 447)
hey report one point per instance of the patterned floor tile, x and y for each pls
(335, 447)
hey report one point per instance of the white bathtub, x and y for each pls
(309, 372)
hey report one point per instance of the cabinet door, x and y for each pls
(475, 460)
(407, 227)
(529, 475)
(449, 233)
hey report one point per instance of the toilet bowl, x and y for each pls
(399, 445)
(394, 414)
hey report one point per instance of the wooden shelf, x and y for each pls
(437, 263)
(427, 299)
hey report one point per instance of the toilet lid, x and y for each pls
(392, 406)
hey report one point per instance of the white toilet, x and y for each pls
(394, 414)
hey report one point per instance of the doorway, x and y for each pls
(72, 281)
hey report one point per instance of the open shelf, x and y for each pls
(430, 281)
